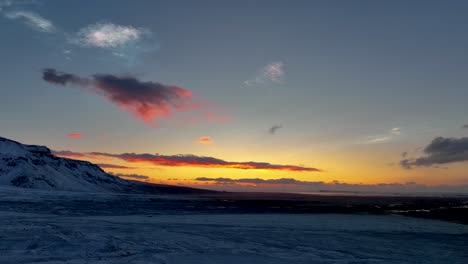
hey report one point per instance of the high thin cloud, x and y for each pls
(205, 140)
(124, 41)
(187, 161)
(33, 20)
(394, 132)
(75, 135)
(107, 35)
(148, 101)
(274, 128)
(440, 151)
(270, 74)
(291, 184)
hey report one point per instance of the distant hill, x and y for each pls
(35, 167)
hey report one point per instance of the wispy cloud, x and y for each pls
(273, 129)
(465, 126)
(376, 140)
(270, 74)
(75, 135)
(394, 132)
(187, 161)
(124, 41)
(33, 20)
(440, 151)
(205, 140)
(148, 101)
(107, 35)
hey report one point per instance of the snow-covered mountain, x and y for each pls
(31, 166)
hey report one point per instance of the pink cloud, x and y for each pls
(148, 101)
(205, 140)
(75, 135)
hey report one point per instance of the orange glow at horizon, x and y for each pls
(361, 170)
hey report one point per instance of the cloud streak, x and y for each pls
(257, 181)
(113, 166)
(33, 20)
(440, 151)
(148, 101)
(187, 161)
(132, 176)
(394, 132)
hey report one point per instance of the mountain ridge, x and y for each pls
(36, 167)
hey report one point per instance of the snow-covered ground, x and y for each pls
(31, 233)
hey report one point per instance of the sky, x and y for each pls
(240, 95)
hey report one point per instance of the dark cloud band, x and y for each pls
(187, 161)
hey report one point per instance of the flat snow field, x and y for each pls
(43, 227)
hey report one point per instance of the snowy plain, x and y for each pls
(40, 227)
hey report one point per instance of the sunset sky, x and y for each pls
(244, 95)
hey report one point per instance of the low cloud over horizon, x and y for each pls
(186, 160)
(291, 184)
(148, 101)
